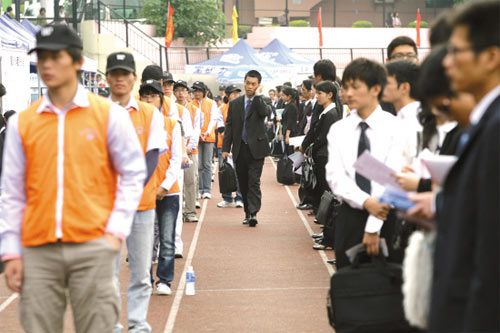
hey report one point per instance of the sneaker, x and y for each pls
(154, 261)
(163, 289)
(226, 204)
(206, 196)
(198, 197)
(197, 204)
(239, 204)
(190, 219)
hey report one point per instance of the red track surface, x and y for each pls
(263, 279)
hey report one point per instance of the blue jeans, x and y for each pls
(167, 210)
(205, 153)
(229, 196)
(139, 246)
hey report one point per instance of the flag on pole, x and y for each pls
(235, 25)
(417, 26)
(169, 33)
(319, 28)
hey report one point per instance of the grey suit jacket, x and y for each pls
(256, 129)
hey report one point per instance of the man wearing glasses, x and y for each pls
(402, 47)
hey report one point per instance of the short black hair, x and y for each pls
(9, 9)
(326, 69)
(278, 88)
(481, 18)
(441, 29)
(401, 40)
(3, 91)
(271, 90)
(404, 71)
(255, 74)
(150, 90)
(367, 71)
(308, 84)
(289, 91)
(327, 87)
(9, 114)
(432, 80)
(75, 53)
(287, 84)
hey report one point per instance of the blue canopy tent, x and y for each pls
(16, 30)
(33, 28)
(241, 54)
(279, 53)
(236, 75)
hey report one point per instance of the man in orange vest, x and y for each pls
(149, 126)
(181, 92)
(76, 173)
(168, 191)
(210, 114)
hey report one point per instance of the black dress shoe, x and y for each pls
(245, 221)
(311, 213)
(318, 240)
(332, 261)
(304, 206)
(322, 247)
(252, 221)
(316, 221)
(318, 235)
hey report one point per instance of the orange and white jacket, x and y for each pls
(169, 164)
(63, 167)
(209, 117)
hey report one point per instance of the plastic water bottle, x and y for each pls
(190, 291)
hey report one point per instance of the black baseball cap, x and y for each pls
(230, 88)
(217, 98)
(168, 77)
(155, 85)
(152, 72)
(198, 85)
(222, 87)
(56, 37)
(120, 60)
(181, 83)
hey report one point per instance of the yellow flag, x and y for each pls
(235, 25)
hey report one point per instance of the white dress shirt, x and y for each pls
(384, 133)
(196, 125)
(408, 114)
(125, 154)
(185, 119)
(157, 135)
(174, 168)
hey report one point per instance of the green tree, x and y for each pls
(198, 21)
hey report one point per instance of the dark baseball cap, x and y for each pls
(217, 98)
(155, 85)
(152, 72)
(181, 83)
(198, 85)
(222, 87)
(168, 77)
(120, 60)
(56, 37)
(230, 88)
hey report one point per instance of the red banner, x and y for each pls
(417, 26)
(169, 33)
(319, 28)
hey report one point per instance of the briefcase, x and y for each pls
(326, 207)
(227, 178)
(284, 172)
(367, 297)
(276, 148)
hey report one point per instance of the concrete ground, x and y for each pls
(262, 279)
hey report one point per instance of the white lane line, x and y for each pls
(260, 289)
(8, 301)
(306, 224)
(169, 326)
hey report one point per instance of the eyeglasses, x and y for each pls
(150, 95)
(397, 56)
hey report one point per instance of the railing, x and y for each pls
(113, 22)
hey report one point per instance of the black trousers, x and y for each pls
(350, 229)
(249, 171)
(321, 183)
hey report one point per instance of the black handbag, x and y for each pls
(326, 207)
(367, 297)
(276, 148)
(308, 179)
(227, 178)
(284, 172)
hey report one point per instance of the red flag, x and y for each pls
(169, 33)
(319, 28)
(417, 26)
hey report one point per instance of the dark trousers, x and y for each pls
(350, 229)
(249, 171)
(321, 183)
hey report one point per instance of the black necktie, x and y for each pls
(364, 144)
(244, 135)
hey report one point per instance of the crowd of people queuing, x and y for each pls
(86, 173)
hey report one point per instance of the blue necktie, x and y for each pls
(244, 135)
(364, 144)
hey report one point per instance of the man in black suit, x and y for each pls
(245, 133)
(465, 286)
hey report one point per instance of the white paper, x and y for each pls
(296, 141)
(279, 113)
(297, 158)
(371, 168)
(439, 166)
(298, 171)
(230, 159)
